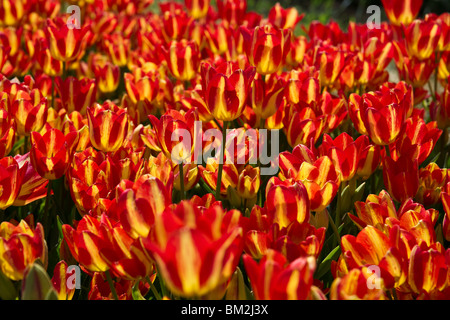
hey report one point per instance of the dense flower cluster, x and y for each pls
(91, 175)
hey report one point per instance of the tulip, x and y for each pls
(432, 180)
(298, 240)
(87, 241)
(12, 12)
(226, 88)
(274, 279)
(232, 11)
(401, 12)
(284, 18)
(354, 286)
(427, 270)
(175, 24)
(382, 115)
(141, 85)
(30, 112)
(118, 48)
(138, 207)
(374, 211)
(124, 163)
(60, 279)
(422, 38)
(401, 177)
(368, 157)
(34, 187)
(52, 152)
(266, 47)
(440, 110)
(445, 198)
(193, 99)
(372, 247)
(20, 246)
(417, 221)
(343, 152)
(197, 8)
(66, 44)
(161, 167)
(330, 62)
(320, 179)
(108, 126)
(183, 59)
(193, 256)
(287, 201)
(7, 133)
(49, 65)
(191, 176)
(267, 96)
(36, 284)
(11, 177)
(170, 128)
(107, 76)
(230, 175)
(303, 126)
(413, 71)
(249, 182)
(76, 95)
(219, 38)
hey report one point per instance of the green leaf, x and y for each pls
(136, 293)
(325, 265)
(359, 192)
(17, 145)
(236, 288)
(7, 289)
(206, 187)
(51, 295)
(233, 196)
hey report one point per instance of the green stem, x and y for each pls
(183, 195)
(111, 285)
(222, 155)
(153, 288)
(25, 144)
(335, 230)
(64, 71)
(162, 285)
(388, 152)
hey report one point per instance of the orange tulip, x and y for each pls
(266, 47)
(402, 12)
(51, 153)
(275, 279)
(20, 245)
(226, 88)
(108, 126)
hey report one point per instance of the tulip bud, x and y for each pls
(36, 284)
